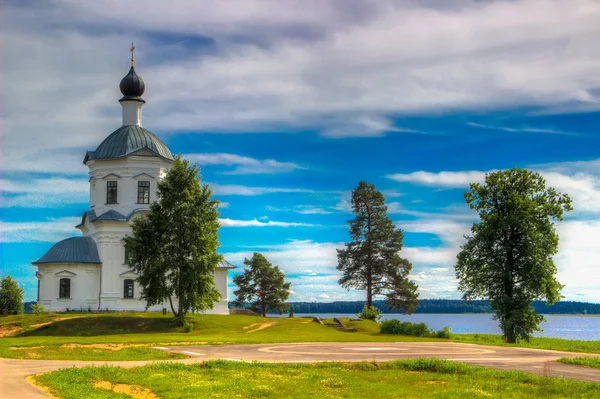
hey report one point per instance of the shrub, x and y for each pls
(412, 329)
(187, 326)
(11, 296)
(443, 333)
(37, 309)
(370, 313)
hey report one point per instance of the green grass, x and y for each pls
(154, 329)
(581, 361)
(422, 378)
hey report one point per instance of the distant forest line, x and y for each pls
(443, 306)
(430, 306)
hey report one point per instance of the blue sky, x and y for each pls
(286, 105)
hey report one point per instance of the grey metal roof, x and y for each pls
(72, 250)
(225, 265)
(127, 140)
(110, 215)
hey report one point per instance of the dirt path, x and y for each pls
(541, 362)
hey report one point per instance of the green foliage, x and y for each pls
(187, 326)
(508, 256)
(370, 313)
(262, 285)
(37, 309)
(393, 326)
(422, 378)
(371, 261)
(174, 247)
(581, 361)
(445, 333)
(11, 297)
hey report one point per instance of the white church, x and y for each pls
(91, 272)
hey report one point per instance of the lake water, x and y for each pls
(557, 326)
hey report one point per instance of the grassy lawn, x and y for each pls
(421, 378)
(129, 336)
(582, 361)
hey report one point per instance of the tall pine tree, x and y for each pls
(371, 261)
(262, 284)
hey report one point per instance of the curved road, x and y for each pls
(14, 371)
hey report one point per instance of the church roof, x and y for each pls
(128, 140)
(72, 250)
(225, 265)
(132, 86)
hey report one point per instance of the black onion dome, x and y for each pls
(132, 86)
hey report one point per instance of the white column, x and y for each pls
(132, 112)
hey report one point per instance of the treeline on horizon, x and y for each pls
(428, 306)
(443, 306)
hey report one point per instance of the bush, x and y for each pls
(187, 326)
(37, 309)
(444, 333)
(412, 329)
(370, 313)
(11, 297)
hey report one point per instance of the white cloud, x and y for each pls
(256, 223)
(522, 129)
(344, 70)
(243, 165)
(324, 296)
(301, 209)
(234, 189)
(296, 256)
(581, 180)
(440, 179)
(50, 230)
(43, 193)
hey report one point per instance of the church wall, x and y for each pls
(126, 172)
(84, 286)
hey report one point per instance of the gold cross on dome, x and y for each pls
(131, 49)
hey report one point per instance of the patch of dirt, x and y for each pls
(9, 330)
(250, 326)
(33, 382)
(133, 391)
(111, 347)
(178, 343)
(20, 348)
(260, 326)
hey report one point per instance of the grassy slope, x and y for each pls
(581, 361)
(397, 379)
(155, 329)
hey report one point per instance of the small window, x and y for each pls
(111, 192)
(65, 288)
(126, 259)
(143, 192)
(128, 288)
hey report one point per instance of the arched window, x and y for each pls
(128, 288)
(64, 290)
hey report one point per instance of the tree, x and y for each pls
(173, 247)
(262, 284)
(508, 256)
(371, 261)
(11, 296)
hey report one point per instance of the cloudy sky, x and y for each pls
(286, 105)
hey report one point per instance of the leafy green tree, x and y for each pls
(11, 296)
(173, 248)
(371, 261)
(262, 285)
(508, 256)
